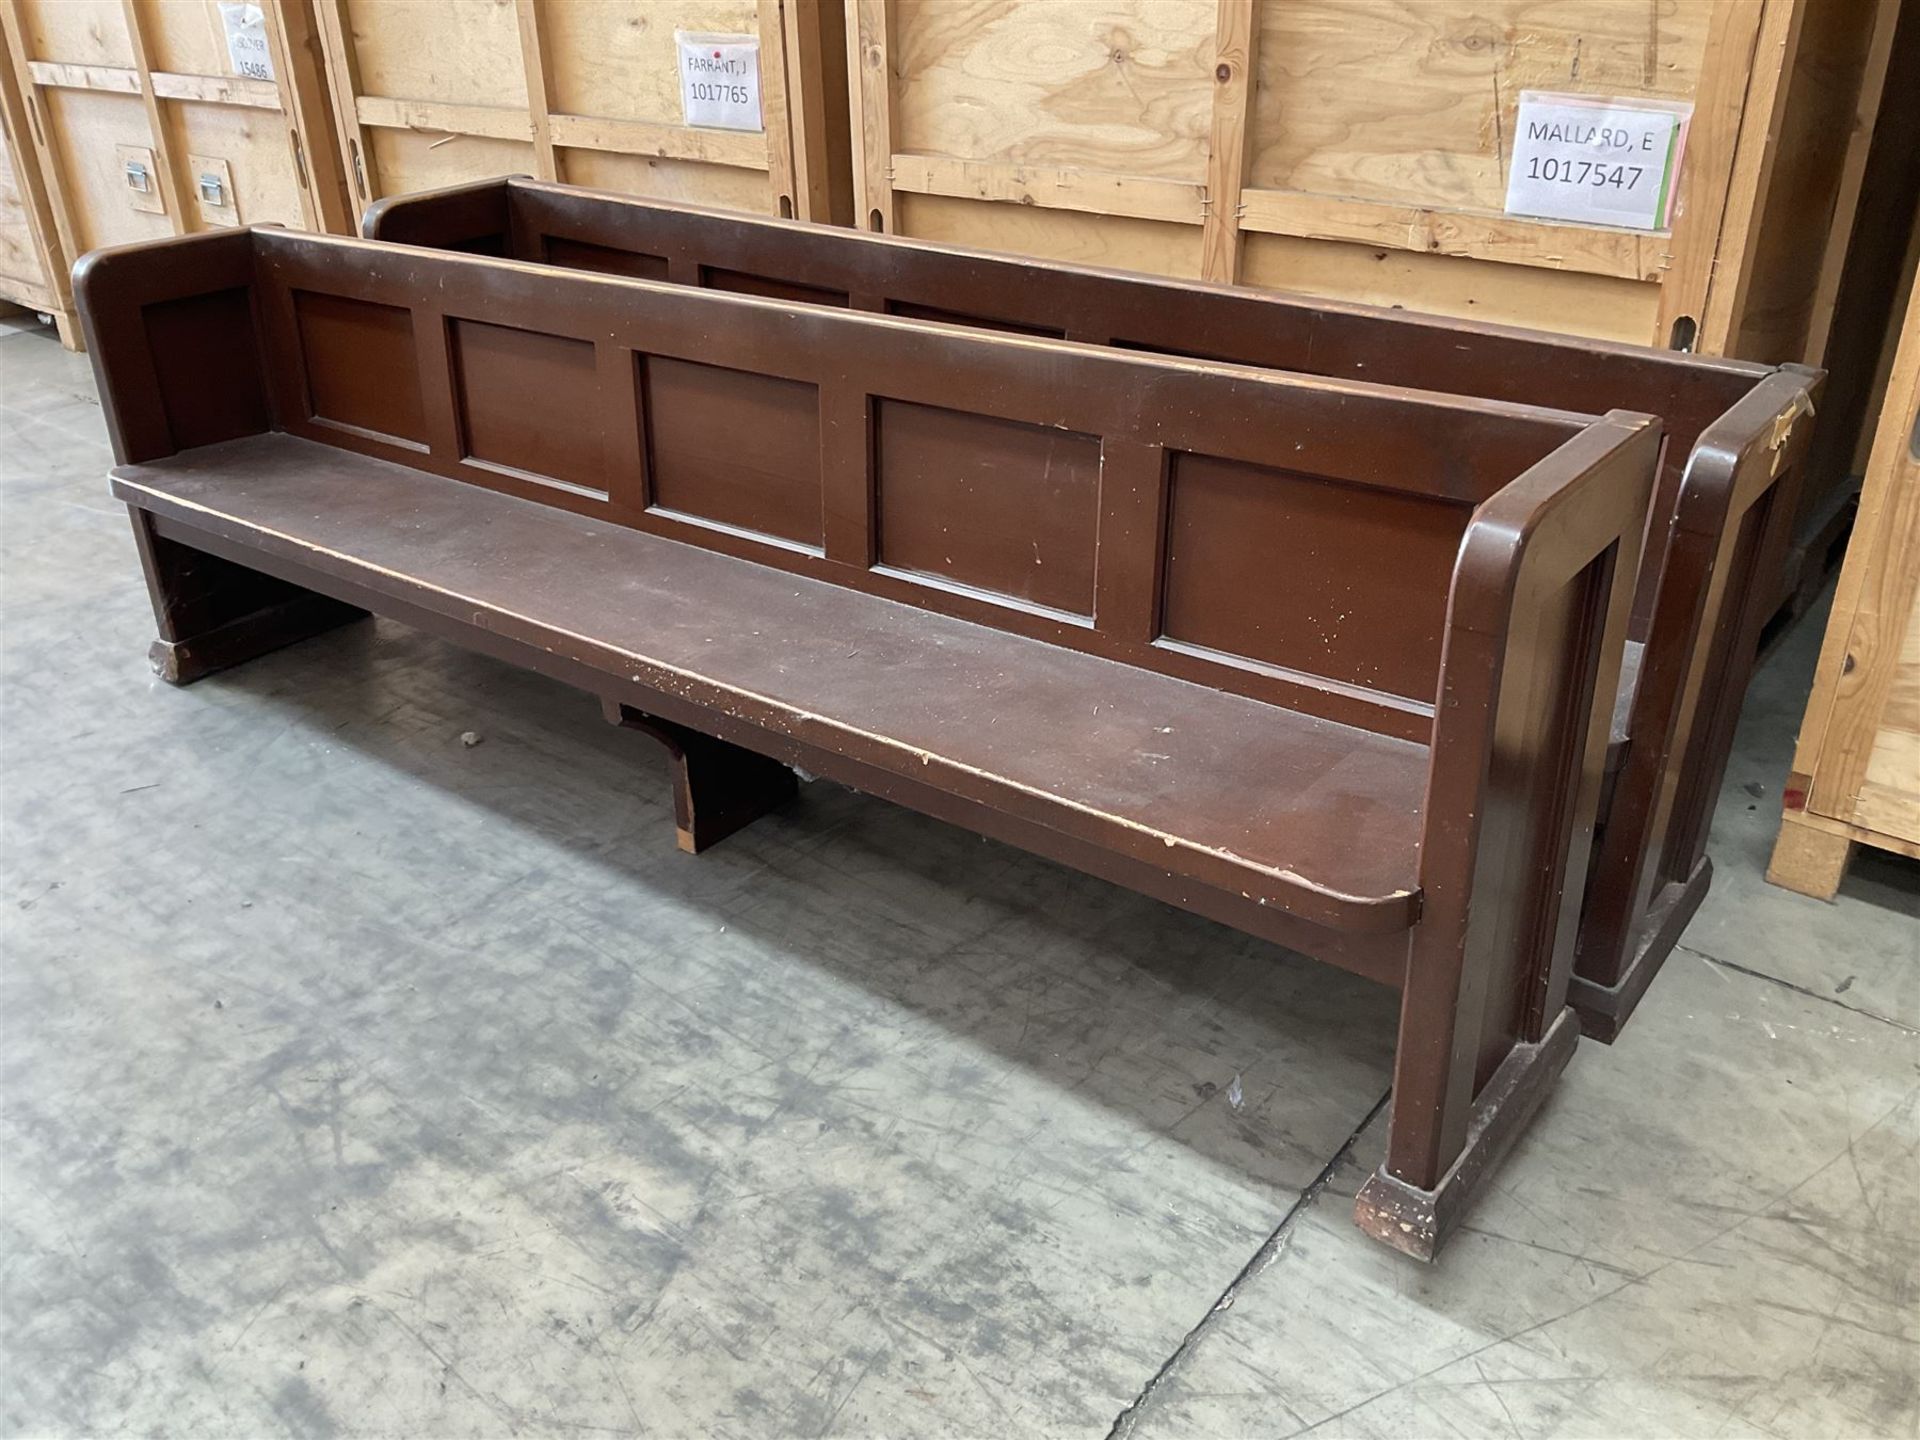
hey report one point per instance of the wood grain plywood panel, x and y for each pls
(616, 59)
(418, 160)
(410, 51)
(78, 32)
(87, 125)
(1416, 102)
(1158, 247)
(1602, 306)
(20, 268)
(1101, 84)
(257, 147)
(185, 37)
(732, 187)
(1890, 796)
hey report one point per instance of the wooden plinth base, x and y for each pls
(1416, 1222)
(181, 662)
(1603, 1009)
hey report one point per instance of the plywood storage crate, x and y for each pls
(141, 125)
(33, 270)
(436, 92)
(1856, 768)
(1357, 149)
(1860, 299)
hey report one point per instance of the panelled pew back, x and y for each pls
(1067, 494)
(1155, 517)
(1718, 524)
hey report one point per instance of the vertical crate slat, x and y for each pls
(33, 267)
(433, 92)
(1856, 767)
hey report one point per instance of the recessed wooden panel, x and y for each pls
(603, 259)
(491, 245)
(360, 362)
(733, 447)
(1287, 569)
(907, 310)
(742, 282)
(217, 394)
(993, 504)
(529, 402)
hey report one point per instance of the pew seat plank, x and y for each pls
(1320, 819)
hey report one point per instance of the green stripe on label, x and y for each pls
(1666, 176)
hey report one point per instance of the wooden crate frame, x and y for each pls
(50, 291)
(1708, 271)
(297, 96)
(1856, 768)
(801, 149)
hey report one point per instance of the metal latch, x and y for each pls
(138, 178)
(212, 191)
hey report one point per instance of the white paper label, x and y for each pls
(1595, 161)
(720, 80)
(247, 50)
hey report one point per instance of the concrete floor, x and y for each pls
(359, 1082)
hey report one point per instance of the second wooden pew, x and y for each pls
(1719, 522)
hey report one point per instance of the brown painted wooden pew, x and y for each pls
(1721, 516)
(1102, 605)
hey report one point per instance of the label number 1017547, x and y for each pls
(1584, 172)
(1594, 161)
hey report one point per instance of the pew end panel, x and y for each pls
(173, 342)
(1536, 627)
(1725, 536)
(172, 336)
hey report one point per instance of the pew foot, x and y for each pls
(718, 787)
(1604, 1009)
(181, 662)
(213, 614)
(1417, 1222)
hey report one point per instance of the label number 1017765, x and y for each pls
(1584, 172)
